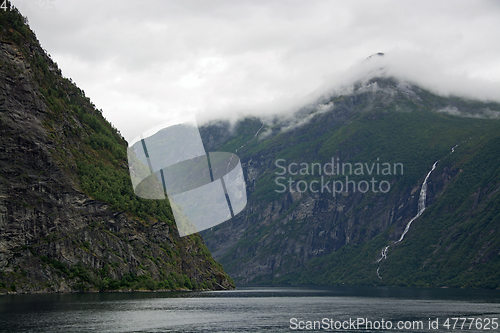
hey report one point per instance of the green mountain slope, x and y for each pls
(454, 243)
(307, 237)
(69, 219)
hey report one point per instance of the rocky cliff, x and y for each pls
(292, 233)
(69, 220)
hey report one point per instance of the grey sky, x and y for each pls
(146, 62)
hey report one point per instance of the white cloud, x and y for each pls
(147, 62)
(482, 114)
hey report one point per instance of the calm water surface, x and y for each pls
(257, 309)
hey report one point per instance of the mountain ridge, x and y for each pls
(284, 238)
(69, 219)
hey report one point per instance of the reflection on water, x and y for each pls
(256, 309)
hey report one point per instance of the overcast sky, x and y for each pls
(147, 62)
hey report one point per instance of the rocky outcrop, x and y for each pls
(53, 236)
(293, 234)
(302, 226)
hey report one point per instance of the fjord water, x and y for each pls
(255, 309)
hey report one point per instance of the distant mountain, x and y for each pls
(391, 133)
(69, 219)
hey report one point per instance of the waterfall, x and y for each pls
(383, 254)
(250, 139)
(421, 203)
(421, 207)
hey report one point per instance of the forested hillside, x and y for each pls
(296, 233)
(69, 219)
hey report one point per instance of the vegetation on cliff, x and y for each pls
(69, 219)
(317, 238)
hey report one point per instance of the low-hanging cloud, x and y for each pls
(417, 68)
(148, 63)
(478, 114)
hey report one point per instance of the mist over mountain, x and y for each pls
(229, 59)
(339, 167)
(433, 222)
(407, 68)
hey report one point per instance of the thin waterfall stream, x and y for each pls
(243, 145)
(421, 208)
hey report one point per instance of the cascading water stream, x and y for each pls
(421, 207)
(231, 159)
(421, 203)
(243, 145)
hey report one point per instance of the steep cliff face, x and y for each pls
(294, 234)
(68, 217)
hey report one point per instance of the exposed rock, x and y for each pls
(54, 237)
